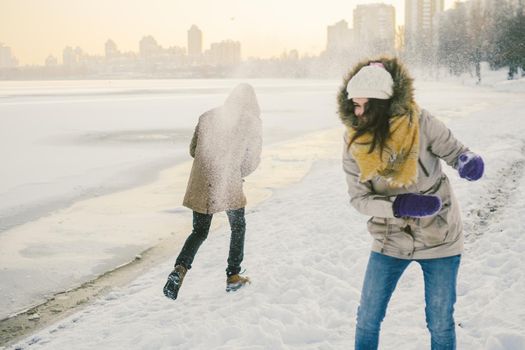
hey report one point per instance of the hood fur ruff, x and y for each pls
(397, 163)
(403, 103)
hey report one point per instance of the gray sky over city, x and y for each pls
(36, 28)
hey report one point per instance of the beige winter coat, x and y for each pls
(226, 146)
(432, 237)
(410, 238)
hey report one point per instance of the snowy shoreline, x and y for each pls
(112, 227)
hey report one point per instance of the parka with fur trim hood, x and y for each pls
(226, 145)
(407, 238)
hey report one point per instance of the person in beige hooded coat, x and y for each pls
(226, 147)
(391, 157)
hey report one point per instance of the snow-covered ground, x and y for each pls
(306, 252)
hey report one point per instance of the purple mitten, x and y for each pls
(470, 166)
(416, 205)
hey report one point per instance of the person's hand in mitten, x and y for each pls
(416, 205)
(470, 166)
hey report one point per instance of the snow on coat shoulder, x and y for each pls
(226, 146)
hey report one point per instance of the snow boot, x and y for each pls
(175, 278)
(235, 282)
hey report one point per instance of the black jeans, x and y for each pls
(201, 227)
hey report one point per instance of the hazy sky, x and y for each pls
(36, 28)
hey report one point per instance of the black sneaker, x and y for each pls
(175, 278)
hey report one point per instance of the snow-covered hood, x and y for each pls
(242, 100)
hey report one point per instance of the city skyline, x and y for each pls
(34, 30)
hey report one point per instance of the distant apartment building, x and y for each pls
(70, 56)
(374, 28)
(7, 60)
(339, 37)
(51, 61)
(194, 42)
(421, 18)
(78, 58)
(149, 48)
(111, 50)
(152, 55)
(225, 53)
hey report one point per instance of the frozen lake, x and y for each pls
(61, 141)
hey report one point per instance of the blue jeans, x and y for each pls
(382, 274)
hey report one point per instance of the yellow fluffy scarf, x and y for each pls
(398, 162)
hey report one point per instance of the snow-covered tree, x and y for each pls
(454, 46)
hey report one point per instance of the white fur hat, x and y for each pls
(372, 81)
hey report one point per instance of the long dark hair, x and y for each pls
(375, 120)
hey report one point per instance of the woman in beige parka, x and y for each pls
(392, 160)
(226, 147)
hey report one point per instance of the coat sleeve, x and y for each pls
(362, 196)
(442, 142)
(252, 155)
(194, 139)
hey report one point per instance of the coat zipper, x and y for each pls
(386, 235)
(423, 167)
